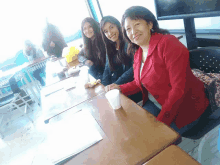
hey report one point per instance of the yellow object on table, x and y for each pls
(71, 54)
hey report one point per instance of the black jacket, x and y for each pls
(121, 75)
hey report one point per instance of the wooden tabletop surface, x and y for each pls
(172, 155)
(131, 134)
(58, 100)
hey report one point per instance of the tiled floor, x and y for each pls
(22, 141)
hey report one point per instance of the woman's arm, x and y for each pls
(106, 77)
(176, 57)
(127, 76)
(130, 88)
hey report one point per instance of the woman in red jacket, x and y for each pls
(161, 72)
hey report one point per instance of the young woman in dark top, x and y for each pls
(93, 54)
(118, 67)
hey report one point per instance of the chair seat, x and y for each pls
(6, 100)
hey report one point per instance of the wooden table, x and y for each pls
(172, 155)
(131, 135)
(62, 100)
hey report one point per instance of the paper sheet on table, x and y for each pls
(69, 83)
(64, 84)
(52, 89)
(69, 137)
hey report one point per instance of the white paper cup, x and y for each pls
(113, 97)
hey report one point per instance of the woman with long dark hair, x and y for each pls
(53, 40)
(162, 72)
(118, 67)
(93, 54)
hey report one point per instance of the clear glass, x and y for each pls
(116, 8)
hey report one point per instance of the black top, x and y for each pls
(52, 34)
(121, 75)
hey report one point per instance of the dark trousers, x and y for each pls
(37, 76)
(153, 109)
(137, 97)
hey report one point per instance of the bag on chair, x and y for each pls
(212, 85)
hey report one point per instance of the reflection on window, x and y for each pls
(67, 15)
(117, 8)
(25, 19)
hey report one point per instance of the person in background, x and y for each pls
(31, 52)
(93, 54)
(53, 41)
(162, 72)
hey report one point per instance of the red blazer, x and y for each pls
(168, 77)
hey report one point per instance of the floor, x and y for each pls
(22, 140)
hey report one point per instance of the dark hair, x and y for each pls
(139, 12)
(52, 33)
(94, 49)
(121, 55)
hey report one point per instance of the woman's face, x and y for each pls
(111, 31)
(88, 30)
(138, 31)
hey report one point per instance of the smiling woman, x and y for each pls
(162, 72)
(118, 67)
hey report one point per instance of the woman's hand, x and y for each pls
(52, 44)
(112, 86)
(88, 63)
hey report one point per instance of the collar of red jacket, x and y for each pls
(154, 40)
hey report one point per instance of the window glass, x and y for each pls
(25, 19)
(117, 8)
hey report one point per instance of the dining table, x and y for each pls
(131, 135)
(56, 98)
(172, 155)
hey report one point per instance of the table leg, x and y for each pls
(32, 91)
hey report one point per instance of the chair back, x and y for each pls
(206, 59)
(14, 86)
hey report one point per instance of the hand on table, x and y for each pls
(112, 86)
(89, 63)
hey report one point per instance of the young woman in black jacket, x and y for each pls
(119, 64)
(93, 54)
(118, 67)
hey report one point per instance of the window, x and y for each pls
(25, 19)
(117, 8)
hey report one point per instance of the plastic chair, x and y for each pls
(14, 101)
(208, 153)
(208, 60)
